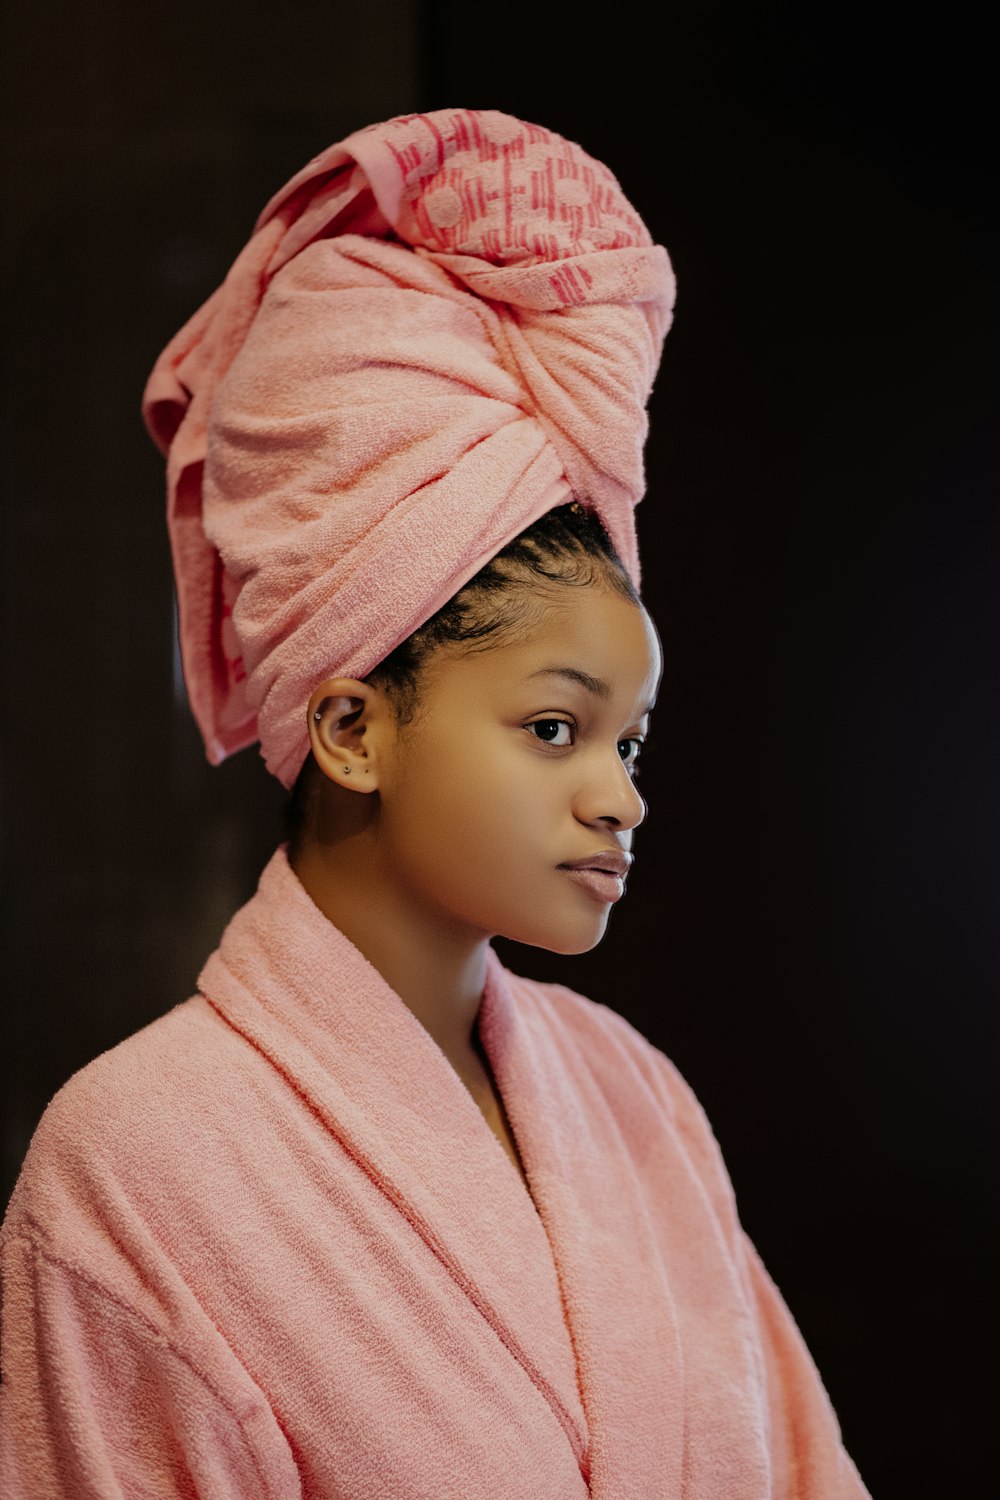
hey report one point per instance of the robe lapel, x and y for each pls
(621, 1316)
(303, 995)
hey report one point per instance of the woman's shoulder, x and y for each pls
(613, 1049)
(642, 1086)
(170, 1058)
(124, 1111)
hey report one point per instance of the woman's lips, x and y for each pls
(602, 873)
(603, 885)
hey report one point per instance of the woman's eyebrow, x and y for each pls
(595, 685)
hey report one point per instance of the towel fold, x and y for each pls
(440, 329)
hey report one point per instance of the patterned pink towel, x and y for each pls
(440, 329)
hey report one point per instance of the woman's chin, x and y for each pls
(567, 940)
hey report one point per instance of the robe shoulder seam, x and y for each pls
(33, 1236)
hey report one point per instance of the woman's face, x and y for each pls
(520, 762)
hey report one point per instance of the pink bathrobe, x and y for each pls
(269, 1247)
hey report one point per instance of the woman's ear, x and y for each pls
(348, 724)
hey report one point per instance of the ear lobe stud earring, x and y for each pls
(318, 715)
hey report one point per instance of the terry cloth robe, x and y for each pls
(270, 1247)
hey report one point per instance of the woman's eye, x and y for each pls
(629, 751)
(550, 731)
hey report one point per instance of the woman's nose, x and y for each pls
(610, 796)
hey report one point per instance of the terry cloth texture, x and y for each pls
(440, 329)
(269, 1249)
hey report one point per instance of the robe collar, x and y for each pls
(300, 992)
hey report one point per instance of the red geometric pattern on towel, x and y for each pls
(486, 185)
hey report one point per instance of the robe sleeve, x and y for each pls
(97, 1403)
(808, 1458)
(808, 1455)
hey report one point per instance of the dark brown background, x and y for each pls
(812, 934)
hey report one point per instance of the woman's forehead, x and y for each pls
(589, 639)
(601, 635)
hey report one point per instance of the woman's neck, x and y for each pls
(437, 969)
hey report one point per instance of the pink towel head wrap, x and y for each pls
(440, 329)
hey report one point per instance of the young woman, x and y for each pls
(369, 1215)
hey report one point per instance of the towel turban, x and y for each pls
(440, 329)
